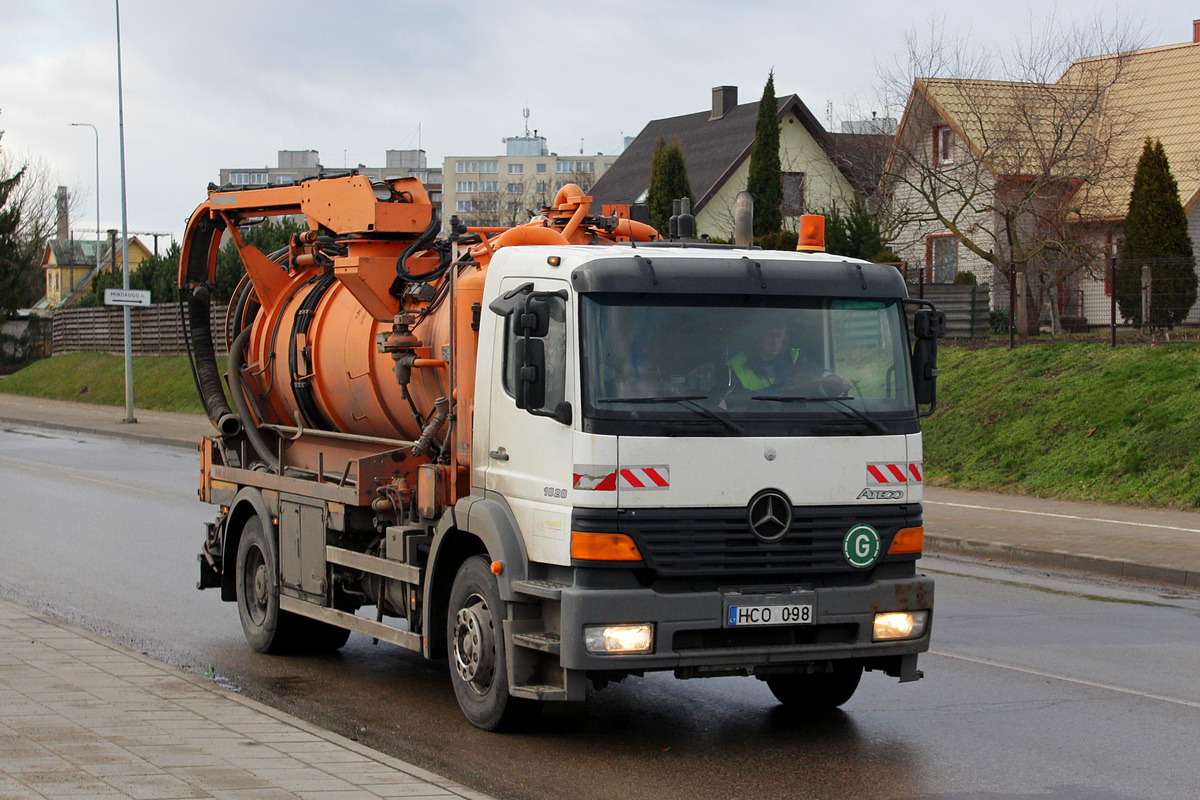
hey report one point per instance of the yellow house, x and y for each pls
(815, 164)
(70, 265)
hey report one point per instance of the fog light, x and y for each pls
(899, 625)
(618, 639)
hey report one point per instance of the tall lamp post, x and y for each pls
(124, 232)
(93, 127)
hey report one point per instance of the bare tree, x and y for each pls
(1015, 154)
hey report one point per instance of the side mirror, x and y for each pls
(532, 317)
(929, 325)
(531, 373)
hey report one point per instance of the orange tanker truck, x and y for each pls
(560, 454)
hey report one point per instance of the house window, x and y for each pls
(466, 186)
(943, 258)
(489, 166)
(943, 145)
(541, 169)
(515, 188)
(466, 166)
(258, 178)
(514, 208)
(283, 178)
(464, 205)
(489, 186)
(487, 205)
(793, 192)
(542, 187)
(516, 169)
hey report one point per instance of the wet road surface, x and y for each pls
(1039, 686)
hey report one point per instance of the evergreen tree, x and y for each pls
(765, 183)
(1156, 235)
(668, 182)
(856, 232)
(13, 269)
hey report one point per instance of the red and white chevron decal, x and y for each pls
(648, 478)
(893, 473)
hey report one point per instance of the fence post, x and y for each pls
(1147, 280)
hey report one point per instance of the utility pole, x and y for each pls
(124, 233)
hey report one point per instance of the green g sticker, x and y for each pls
(861, 546)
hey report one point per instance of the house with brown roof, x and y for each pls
(1041, 173)
(70, 265)
(818, 167)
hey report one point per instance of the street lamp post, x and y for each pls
(93, 127)
(124, 232)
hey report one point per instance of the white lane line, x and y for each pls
(1064, 516)
(1093, 684)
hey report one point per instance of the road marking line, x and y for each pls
(1093, 684)
(1063, 516)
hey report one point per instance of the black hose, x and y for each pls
(403, 276)
(201, 350)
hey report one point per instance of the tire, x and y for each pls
(817, 691)
(475, 648)
(267, 629)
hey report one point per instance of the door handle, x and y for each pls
(499, 454)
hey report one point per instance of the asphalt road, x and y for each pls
(1039, 686)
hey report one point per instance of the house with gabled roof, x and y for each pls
(988, 138)
(70, 265)
(819, 168)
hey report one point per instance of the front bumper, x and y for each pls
(690, 638)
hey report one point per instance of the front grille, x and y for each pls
(678, 542)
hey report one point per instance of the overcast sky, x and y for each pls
(228, 83)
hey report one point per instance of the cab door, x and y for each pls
(529, 451)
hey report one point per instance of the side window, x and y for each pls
(556, 355)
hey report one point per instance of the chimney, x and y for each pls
(64, 222)
(1195, 31)
(724, 99)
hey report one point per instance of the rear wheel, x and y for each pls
(817, 691)
(475, 647)
(267, 628)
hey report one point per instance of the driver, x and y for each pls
(766, 362)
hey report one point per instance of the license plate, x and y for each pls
(744, 615)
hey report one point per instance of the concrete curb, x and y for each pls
(1062, 560)
(131, 434)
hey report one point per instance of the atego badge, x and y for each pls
(861, 546)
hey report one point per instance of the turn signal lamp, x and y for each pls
(907, 541)
(603, 547)
(812, 233)
(895, 625)
(619, 640)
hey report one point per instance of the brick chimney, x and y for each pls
(724, 100)
(64, 221)
(1195, 31)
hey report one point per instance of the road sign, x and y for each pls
(126, 297)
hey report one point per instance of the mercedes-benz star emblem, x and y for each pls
(770, 515)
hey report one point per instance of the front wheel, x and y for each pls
(475, 647)
(817, 691)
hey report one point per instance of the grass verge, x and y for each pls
(163, 383)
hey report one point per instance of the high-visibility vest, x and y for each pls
(748, 377)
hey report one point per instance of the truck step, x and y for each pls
(546, 642)
(549, 590)
(536, 692)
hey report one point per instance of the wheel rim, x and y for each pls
(475, 644)
(257, 586)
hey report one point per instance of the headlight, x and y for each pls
(899, 625)
(618, 639)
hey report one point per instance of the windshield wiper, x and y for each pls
(688, 401)
(784, 398)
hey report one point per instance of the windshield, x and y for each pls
(685, 365)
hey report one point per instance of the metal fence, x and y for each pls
(156, 330)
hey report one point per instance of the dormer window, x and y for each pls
(943, 145)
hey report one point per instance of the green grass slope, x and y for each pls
(159, 382)
(1079, 421)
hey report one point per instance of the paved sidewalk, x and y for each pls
(81, 717)
(1138, 544)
